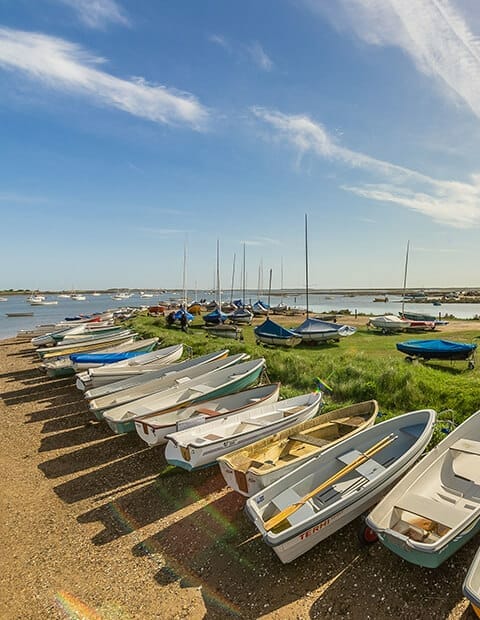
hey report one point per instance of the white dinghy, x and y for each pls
(435, 509)
(202, 445)
(219, 383)
(168, 379)
(471, 585)
(318, 498)
(110, 373)
(154, 428)
(160, 371)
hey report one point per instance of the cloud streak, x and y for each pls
(98, 13)
(453, 203)
(66, 67)
(433, 33)
(260, 57)
(253, 52)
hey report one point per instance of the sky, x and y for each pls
(131, 130)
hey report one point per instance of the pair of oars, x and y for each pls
(289, 510)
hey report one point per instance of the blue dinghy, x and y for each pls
(270, 332)
(437, 349)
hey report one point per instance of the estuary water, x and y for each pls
(318, 303)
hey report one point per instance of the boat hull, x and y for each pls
(426, 559)
(120, 427)
(196, 457)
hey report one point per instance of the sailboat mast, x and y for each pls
(405, 276)
(306, 263)
(244, 279)
(233, 278)
(184, 284)
(269, 292)
(218, 275)
(281, 280)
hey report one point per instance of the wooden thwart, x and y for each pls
(310, 439)
(289, 510)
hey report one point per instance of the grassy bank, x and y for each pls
(363, 366)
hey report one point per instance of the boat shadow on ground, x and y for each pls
(59, 416)
(17, 376)
(142, 464)
(162, 497)
(419, 593)
(204, 549)
(107, 448)
(75, 430)
(34, 393)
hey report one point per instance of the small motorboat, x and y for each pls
(328, 491)
(438, 350)
(435, 509)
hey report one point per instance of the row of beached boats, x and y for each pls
(305, 473)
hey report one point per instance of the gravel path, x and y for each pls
(95, 526)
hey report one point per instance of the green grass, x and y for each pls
(363, 366)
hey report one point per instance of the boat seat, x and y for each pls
(466, 459)
(206, 411)
(310, 439)
(466, 445)
(350, 423)
(438, 512)
(213, 437)
(369, 470)
(287, 498)
(203, 389)
(290, 410)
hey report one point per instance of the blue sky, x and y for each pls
(131, 128)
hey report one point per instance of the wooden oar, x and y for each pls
(289, 510)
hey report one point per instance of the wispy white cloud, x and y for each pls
(98, 13)
(433, 33)
(259, 56)
(162, 232)
(253, 51)
(366, 220)
(220, 40)
(261, 241)
(27, 199)
(454, 203)
(66, 67)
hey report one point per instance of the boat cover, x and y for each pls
(260, 306)
(216, 316)
(316, 326)
(437, 349)
(103, 358)
(273, 330)
(178, 315)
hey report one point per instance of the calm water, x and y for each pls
(318, 303)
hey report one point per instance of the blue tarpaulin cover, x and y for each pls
(437, 349)
(103, 358)
(272, 329)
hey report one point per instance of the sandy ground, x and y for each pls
(92, 529)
